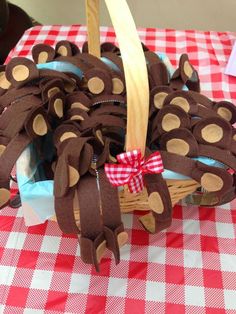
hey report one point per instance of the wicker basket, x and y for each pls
(137, 98)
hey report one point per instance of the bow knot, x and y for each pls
(131, 168)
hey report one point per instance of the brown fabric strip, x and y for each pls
(156, 184)
(90, 220)
(113, 225)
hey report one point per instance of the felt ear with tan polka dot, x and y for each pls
(159, 202)
(65, 132)
(214, 131)
(188, 74)
(226, 110)
(66, 48)
(43, 53)
(169, 118)
(4, 83)
(76, 114)
(212, 179)
(157, 98)
(184, 100)
(78, 100)
(180, 142)
(185, 75)
(20, 71)
(50, 88)
(36, 123)
(56, 105)
(99, 81)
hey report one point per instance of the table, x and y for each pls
(190, 268)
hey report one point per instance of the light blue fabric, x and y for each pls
(61, 66)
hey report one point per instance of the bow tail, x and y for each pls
(136, 184)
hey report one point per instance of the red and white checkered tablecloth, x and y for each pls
(190, 268)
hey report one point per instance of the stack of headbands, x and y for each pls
(76, 103)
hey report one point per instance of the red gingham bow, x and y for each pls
(131, 169)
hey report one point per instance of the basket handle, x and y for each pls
(134, 62)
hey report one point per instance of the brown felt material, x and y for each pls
(179, 141)
(64, 208)
(93, 61)
(169, 118)
(152, 57)
(8, 160)
(56, 105)
(66, 48)
(51, 74)
(115, 59)
(100, 99)
(201, 99)
(20, 70)
(213, 131)
(77, 114)
(90, 220)
(4, 83)
(78, 100)
(159, 74)
(36, 123)
(69, 155)
(104, 120)
(111, 214)
(110, 48)
(14, 95)
(159, 199)
(110, 109)
(65, 132)
(208, 177)
(51, 87)
(157, 97)
(75, 60)
(226, 110)
(186, 102)
(99, 81)
(43, 53)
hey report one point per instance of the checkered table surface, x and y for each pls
(190, 268)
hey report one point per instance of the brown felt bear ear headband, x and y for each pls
(64, 132)
(169, 118)
(225, 109)
(182, 142)
(50, 88)
(20, 71)
(185, 75)
(42, 53)
(212, 179)
(101, 79)
(66, 48)
(56, 105)
(157, 98)
(184, 100)
(214, 131)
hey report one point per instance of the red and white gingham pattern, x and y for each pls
(190, 268)
(131, 168)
